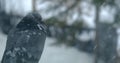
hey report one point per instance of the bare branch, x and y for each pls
(72, 6)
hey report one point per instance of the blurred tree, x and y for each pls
(117, 21)
(65, 18)
(60, 21)
(33, 5)
(105, 40)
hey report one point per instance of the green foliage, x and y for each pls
(77, 24)
(67, 38)
(55, 22)
(51, 21)
(62, 24)
(68, 31)
(99, 2)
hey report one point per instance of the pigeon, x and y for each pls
(25, 42)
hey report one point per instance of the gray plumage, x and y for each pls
(25, 42)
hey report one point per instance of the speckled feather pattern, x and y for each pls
(25, 42)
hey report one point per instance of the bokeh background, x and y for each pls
(79, 31)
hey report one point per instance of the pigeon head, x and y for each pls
(35, 17)
(31, 21)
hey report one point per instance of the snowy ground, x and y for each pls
(2, 44)
(56, 54)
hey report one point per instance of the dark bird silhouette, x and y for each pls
(25, 42)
